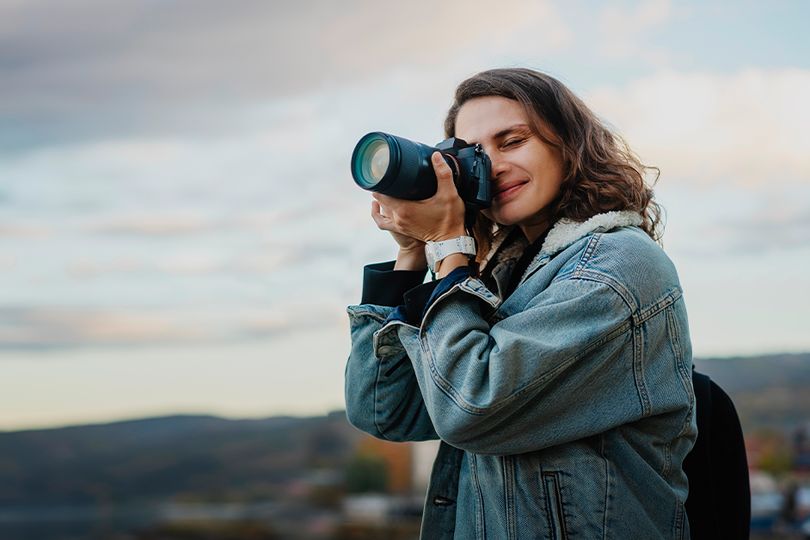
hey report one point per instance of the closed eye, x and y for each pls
(513, 142)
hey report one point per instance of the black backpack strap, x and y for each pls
(730, 466)
(719, 502)
(698, 468)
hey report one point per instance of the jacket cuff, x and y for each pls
(462, 281)
(418, 299)
(446, 283)
(384, 286)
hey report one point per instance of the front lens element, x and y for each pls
(377, 161)
(371, 159)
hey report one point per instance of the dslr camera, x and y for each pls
(401, 168)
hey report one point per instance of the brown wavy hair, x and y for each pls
(600, 172)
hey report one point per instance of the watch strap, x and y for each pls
(437, 251)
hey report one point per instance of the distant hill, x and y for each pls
(204, 458)
(178, 457)
(769, 391)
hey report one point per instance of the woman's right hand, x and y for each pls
(411, 254)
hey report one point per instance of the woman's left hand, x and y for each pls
(438, 218)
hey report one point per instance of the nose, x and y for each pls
(499, 165)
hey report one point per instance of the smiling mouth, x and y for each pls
(508, 191)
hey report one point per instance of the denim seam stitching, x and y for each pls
(586, 274)
(480, 530)
(607, 484)
(665, 472)
(638, 370)
(549, 512)
(468, 407)
(666, 300)
(589, 250)
(678, 519)
(456, 396)
(376, 403)
(508, 468)
(686, 379)
(369, 314)
(533, 268)
(667, 468)
(375, 342)
(463, 286)
(560, 511)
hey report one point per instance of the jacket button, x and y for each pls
(438, 500)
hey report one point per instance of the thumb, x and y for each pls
(444, 175)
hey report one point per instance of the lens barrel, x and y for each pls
(394, 166)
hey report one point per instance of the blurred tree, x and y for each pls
(775, 454)
(365, 473)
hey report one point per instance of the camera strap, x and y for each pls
(470, 211)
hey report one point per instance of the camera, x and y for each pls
(401, 168)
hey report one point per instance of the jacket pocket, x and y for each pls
(554, 505)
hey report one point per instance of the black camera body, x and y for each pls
(402, 168)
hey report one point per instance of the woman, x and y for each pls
(559, 378)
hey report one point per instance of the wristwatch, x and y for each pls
(436, 251)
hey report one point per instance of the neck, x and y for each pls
(536, 226)
(533, 231)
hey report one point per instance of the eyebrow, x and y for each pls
(511, 129)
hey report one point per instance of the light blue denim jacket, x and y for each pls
(565, 411)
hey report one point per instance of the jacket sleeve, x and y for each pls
(554, 372)
(382, 395)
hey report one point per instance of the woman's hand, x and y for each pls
(411, 254)
(412, 223)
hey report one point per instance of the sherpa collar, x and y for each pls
(567, 231)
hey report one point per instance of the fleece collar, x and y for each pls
(567, 231)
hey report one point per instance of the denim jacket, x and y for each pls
(565, 410)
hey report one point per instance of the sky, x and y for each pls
(180, 233)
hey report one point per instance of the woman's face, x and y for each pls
(526, 172)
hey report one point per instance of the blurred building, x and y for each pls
(408, 464)
(801, 448)
(398, 458)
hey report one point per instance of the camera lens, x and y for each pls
(402, 169)
(371, 160)
(393, 166)
(375, 166)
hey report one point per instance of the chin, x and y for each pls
(505, 218)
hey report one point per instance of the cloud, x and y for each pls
(746, 129)
(153, 225)
(91, 70)
(23, 229)
(22, 328)
(8, 261)
(84, 268)
(765, 232)
(45, 327)
(626, 30)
